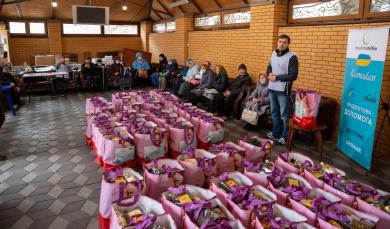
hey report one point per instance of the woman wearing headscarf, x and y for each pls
(206, 82)
(140, 67)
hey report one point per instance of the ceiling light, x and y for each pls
(54, 3)
(124, 7)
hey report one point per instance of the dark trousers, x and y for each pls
(65, 82)
(185, 90)
(93, 82)
(224, 105)
(176, 81)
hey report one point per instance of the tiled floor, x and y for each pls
(52, 181)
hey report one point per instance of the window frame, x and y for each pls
(321, 19)
(121, 35)
(368, 14)
(101, 30)
(223, 13)
(208, 27)
(27, 34)
(165, 24)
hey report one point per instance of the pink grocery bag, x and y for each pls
(248, 206)
(151, 142)
(253, 152)
(317, 173)
(160, 175)
(211, 131)
(236, 176)
(286, 214)
(229, 157)
(110, 191)
(306, 107)
(199, 166)
(384, 218)
(153, 210)
(309, 214)
(257, 172)
(177, 212)
(284, 161)
(181, 137)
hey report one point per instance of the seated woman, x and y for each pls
(225, 101)
(7, 79)
(169, 71)
(206, 82)
(162, 65)
(61, 67)
(88, 71)
(219, 86)
(140, 68)
(178, 79)
(258, 100)
(189, 80)
(116, 71)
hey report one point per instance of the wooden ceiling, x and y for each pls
(138, 10)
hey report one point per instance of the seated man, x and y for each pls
(7, 79)
(140, 68)
(61, 67)
(88, 71)
(258, 100)
(177, 80)
(205, 83)
(225, 101)
(169, 72)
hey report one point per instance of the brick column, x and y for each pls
(146, 28)
(55, 36)
(184, 24)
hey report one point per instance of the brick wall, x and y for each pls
(24, 49)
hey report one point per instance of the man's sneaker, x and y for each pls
(271, 136)
(281, 141)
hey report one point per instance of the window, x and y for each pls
(81, 29)
(379, 6)
(164, 26)
(171, 26)
(237, 18)
(121, 29)
(325, 9)
(159, 27)
(208, 21)
(333, 10)
(17, 27)
(37, 28)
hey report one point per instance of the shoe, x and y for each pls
(271, 136)
(281, 142)
(62, 95)
(54, 96)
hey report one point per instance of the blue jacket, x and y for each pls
(184, 71)
(145, 65)
(207, 80)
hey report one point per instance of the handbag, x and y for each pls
(250, 116)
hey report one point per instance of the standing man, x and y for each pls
(282, 71)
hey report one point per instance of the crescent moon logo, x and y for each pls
(365, 39)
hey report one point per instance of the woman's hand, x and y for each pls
(255, 100)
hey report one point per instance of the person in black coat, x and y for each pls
(219, 86)
(89, 72)
(225, 101)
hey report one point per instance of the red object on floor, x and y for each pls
(129, 164)
(88, 141)
(141, 161)
(103, 222)
(174, 154)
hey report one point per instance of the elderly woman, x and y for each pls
(206, 82)
(258, 100)
(220, 84)
(140, 68)
(116, 71)
(189, 79)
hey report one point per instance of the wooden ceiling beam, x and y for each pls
(140, 9)
(14, 2)
(245, 1)
(197, 6)
(242, 6)
(180, 8)
(164, 7)
(157, 14)
(1, 5)
(218, 4)
(161, 12)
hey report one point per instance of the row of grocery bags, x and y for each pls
(141, 126)
(291, 192)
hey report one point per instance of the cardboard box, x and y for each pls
(44, 60)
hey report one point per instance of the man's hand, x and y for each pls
(226, 94)
(272, 77)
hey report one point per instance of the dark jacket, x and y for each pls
(88, 71)
(171, 68)
(162, 65)
(7, 78)
(292, 71)
(184, 71)
(116, 68)
(221, 82)
(238, 84)
(207, 80)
